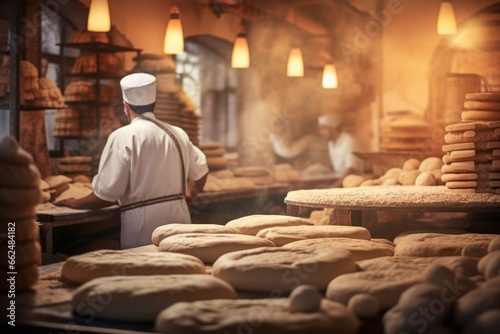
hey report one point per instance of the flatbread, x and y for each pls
(283, 235)
(215, 152)
(164, 231)
(19, 176)
(20, 198)
(480, 115)
(360, 249)
(480, 146)
(82, 268)
(458, 177)
(461, 265)
(268, 268)
(12, 152)
(483, 96)
(471, 167)
(25, 230)
(472, 126)
(26, 253)
(209, 247)
(472, 136)
(141, 298)
(469, 184)
(482, 105)
(438, 244)
(256, 316)
(252, 224)
(478, 157)
(385, 285)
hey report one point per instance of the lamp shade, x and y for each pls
(241, 56)
(99, 20)
(330, 76)
(174, 37)
(295, 66)
(447, 24)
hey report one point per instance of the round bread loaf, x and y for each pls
(85, 267)
(257, 316)
(165, 231)
(411, 164)
(425, 179)
(430, 164)
(251, 225)
(352, 180)
(142, 298)
(283, 235)
(360, 249)
(209, 247)
(268, 268)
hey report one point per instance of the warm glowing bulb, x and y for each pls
(447, 24)
(98, 19)
(295, 66)
(174, 37)
(241, 56)
(330, 76)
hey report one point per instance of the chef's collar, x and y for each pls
(148, 114)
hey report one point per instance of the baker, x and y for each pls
(148, 167)
(340, 147)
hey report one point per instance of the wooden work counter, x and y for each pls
(354, 201)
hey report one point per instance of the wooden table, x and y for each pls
(395, 198)
(53, 217)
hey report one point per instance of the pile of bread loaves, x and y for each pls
(282, 274)
(413, 172)
(59, 187)
(19, 232)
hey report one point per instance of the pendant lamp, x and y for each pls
(295, 66)
(99, 20)
(174, 37)
(447, 24)
(330, 77)
(241, 55)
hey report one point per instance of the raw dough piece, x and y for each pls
(26, 253)
(411, 164)
(305, 298)
(256, 316)
(370, 183)
(430, 164)
(364, 305)
(472, 304)
(251, 225)
(408, 177)
(141, 298)
(494, 244)
(360, 249)
(164, 231)
(437, 244)
(74, 191)
(18, 176)
(352, 180)
(209, 247)
(385, 285)
(486, 323)
(476, 251)
(425, 179)
(283, 235)
(266, 269)
(390, 182)
(462, 265)
(85, 267)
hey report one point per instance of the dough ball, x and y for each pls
(494, 244)
(392, 173)
(352, 181)
(492, 269)
(438, 275)
(437, 174)
(474, 303)
(411, 164)
(430, 164)
(483, 263)
(486, 323)
(408, 177)
(305, 298)
(426, 290)
(369, 183)
(390, 182)
(474, 251)
(364, 305)
(425, 179)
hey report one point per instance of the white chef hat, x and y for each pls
(139, 89)
(332, 120)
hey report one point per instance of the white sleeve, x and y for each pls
(197, 164)
(111, 181)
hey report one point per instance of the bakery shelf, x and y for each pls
(98, 47)
(94, 75)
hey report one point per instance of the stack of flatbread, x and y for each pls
(472, 150)
(28, 81)
(67, 123)
(19, 233)
(73, 166)
(108, 63)
(404, 132)
(215, 155)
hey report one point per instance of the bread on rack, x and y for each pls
(88, 37)
(28, 80)
(48, 94)
(108, 63)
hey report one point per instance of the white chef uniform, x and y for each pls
(140, 162)
(341, 153)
